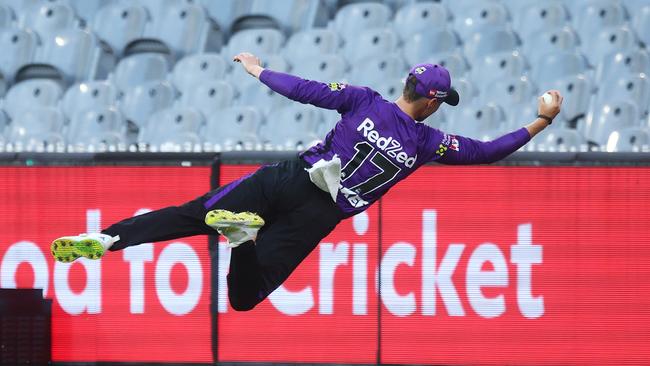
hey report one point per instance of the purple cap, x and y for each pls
(434, 82)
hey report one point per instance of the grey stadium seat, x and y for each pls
(630, 139)
(86, 9)
(486, 15)
(559, 139)
(373, 70)
(96, 127)
(418, 18)
(453, 61)
(596, 15)
(19, 48)
(185, 28)
(499, 66)
(293, 127)
(173, 129)
(48, 19)
(633, 87)
(240, 79)
(35, 127)
(233, 128)
(325, 68)
(257, 41)
(315, 41)
(262, 97)
(478, 121)
(421, 46)
(120, 23)
(641, 24)
(209, 96)
(557, 65)
(6, 17)
(354, 18)
(89, 95)
(538, 17)
(138, 69)
(144, 100)
(32, 93)
(489, 42)
(613, 39)
(608, 117)
(370, 42)
(620, 64)
(196, 68)
(72, 51)
(577, 91)
(510, 91)
(391, 89)
(468, 91)
(552, 40)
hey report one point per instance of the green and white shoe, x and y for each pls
(238, 228)
(66, 249)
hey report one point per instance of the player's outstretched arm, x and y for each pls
(459, 150)
(331, 96)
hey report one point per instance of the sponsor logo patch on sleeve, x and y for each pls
(336, 86)
(449, 142)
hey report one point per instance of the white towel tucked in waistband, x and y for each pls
(326, 175)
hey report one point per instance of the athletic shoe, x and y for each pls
(238, 228)
(92, 246)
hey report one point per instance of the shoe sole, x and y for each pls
(221, 219)
(67, 250)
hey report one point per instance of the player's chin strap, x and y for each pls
(547, 118)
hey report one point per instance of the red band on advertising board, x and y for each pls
(480, 265)
(148, 303)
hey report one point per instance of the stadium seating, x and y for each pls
(235, 128)
(91, 58)
(421, 46)
(498, 66)
(481, 17)
(540, 16)
(641, 24)
(208, 96)
(36, 128)
(173, 129)
(96, 129)
(420, 18)
(138, 69)
(352, 19)
(120, 23)
(370, 43)
(144, 100)
(292, 127)
(89, 96)
(609, 117)
(73, 52)
(317, 41)
(373, 70)
(18, 49)
(631, 139)
(32, 93)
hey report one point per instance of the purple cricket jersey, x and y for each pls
(377, 142)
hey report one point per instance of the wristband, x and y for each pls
(547, 118)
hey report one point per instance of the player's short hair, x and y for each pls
(409, 93)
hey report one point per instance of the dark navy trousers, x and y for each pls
(297, 216)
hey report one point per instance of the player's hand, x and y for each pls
(250, 62)
(551, 109)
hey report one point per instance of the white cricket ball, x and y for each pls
(547, 98)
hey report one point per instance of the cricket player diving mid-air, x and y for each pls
(276, 216)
